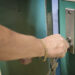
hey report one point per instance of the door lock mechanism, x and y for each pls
(70, 26)
(69, 40)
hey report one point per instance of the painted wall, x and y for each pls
(27, 17)
(68, 62)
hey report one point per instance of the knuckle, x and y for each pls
(58, 35)
(63, 51)
(62, 45)
(68, 45)
(62, 39)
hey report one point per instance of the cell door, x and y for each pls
(66, 19)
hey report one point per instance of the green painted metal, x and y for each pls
(26, 17)
(3, 68)
(67, 63)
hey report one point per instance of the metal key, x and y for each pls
(53, 66)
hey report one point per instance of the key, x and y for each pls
(53, 66)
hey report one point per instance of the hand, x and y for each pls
(56, 46)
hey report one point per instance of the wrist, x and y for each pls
(41, 48)
(45, 50)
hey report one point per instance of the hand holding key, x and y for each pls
(56, 46)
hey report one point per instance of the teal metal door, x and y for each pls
(68, 62)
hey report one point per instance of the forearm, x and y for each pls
(16, 46)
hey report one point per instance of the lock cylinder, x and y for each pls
(70, 22)
(70, 49)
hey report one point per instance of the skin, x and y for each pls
(15, 46)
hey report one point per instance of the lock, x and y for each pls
(70, 22)
(69, 40)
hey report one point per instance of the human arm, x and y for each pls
(14, 45)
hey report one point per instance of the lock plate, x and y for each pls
(70, 22)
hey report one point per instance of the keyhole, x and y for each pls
(70, 49)
(69, 40)
(69, 12)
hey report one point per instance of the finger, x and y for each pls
(65, 49)
(67, 44)
(65, 41)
